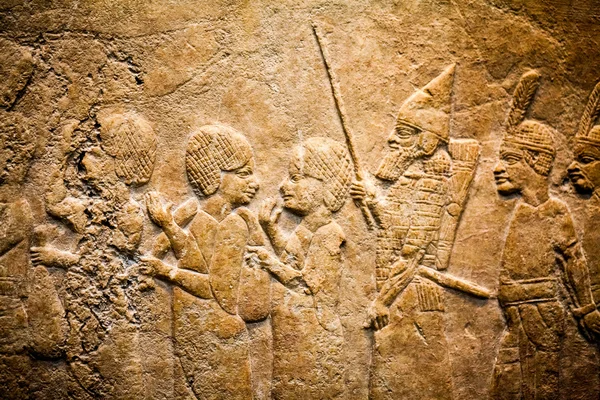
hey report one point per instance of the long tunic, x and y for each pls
(307, 332)
(211, 337)
(528, 366)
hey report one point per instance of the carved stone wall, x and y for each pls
(299, 200)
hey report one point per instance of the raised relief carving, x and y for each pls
(90, 193)
(16, 151)
(214, 292)
(584, 173)
(541, 254)
(429, 176)
(308, 341)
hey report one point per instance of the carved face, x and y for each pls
(584, 171)
(239, 186)
(512, 171)
(301, 193)
(96, 166)
(407, 143)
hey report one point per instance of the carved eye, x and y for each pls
(296, 178)
(586, 159)
(511, 158)
(243, 173)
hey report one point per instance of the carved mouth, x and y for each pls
(576, 175)
(501, 179)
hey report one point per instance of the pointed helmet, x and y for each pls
(429, 108)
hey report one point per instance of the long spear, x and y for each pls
(339, 106)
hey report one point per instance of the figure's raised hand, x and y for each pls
(378, 315)
(159, 214)
(269, 214)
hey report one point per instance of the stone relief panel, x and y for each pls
(319, 200)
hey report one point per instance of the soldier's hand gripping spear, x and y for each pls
(339, 106)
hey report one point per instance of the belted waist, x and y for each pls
(527, 291)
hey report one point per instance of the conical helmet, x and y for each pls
(429, 108)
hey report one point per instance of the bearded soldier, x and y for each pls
(541, 237)
(584, 172)
(417, 220)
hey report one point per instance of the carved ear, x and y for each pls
(590, 113)
(522, 98)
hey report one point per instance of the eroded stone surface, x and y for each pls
(299, 200)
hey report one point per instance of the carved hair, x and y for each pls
(328, 160)
(130, 139)
(210, 150)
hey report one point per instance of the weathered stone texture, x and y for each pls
(299, 199)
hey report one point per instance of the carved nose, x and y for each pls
(393, 139)
(572, 167)
(499, 168)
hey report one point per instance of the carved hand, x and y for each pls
(378, 316)
(362, 190)
(160, 215)
(592, 321)
(152, 266)
(269, 214)
(258, 256)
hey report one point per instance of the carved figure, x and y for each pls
(214, 293)
(307, 332)
(541, 240)
(16, 228)
(102, 348)
(584, 173)
(417, 220)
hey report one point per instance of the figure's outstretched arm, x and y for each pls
(192, 282)
(184, 245)
(258, 256)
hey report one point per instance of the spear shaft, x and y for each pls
(339, 107)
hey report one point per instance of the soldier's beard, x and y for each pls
(395, 162)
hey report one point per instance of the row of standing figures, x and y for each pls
(234, 274)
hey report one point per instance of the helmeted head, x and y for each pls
(219, 159)
(320, 173)
(130, 140)
(423, 124)
(528, 148)
(584, 171)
